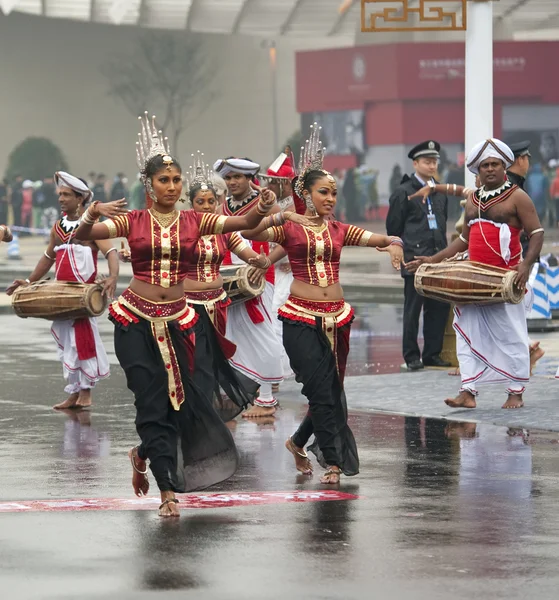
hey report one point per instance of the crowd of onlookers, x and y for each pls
(34, 204)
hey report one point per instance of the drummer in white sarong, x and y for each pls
(492, 341)
(80, 349)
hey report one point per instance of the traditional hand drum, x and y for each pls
(465, 282)
(236, 284)
(59, 300)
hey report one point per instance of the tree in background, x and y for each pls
(169, 75)
(35, 158)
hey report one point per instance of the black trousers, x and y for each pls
(314, 365)
(188, 449)
(435, 315)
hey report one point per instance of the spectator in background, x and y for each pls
(350, 195)
(27, 205)
(137, 199)
(537, 187)
(119, 189)
(51, 207)
(553, 193)
(4, 191)
(17, 199)
(395, 179)
(91, 179)
(340, 208)
(38, 201)
(99, 192)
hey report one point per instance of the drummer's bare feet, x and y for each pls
(464, 400)
(514, 401)
(275, 388)
(454, 372)
(535, 354)
(169, 506)
(256, 412)
(70, 402)
(84, 400)
(140, 481)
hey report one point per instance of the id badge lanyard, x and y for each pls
(431, 218)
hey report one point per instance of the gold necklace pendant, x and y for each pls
(164, 219)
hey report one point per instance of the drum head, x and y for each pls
(96, 302)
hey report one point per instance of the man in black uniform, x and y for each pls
(422, 226)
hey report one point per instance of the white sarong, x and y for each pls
(258, 354)
(81, 374)
(282, 288)
(492, 345)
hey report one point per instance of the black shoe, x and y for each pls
(414, 365)
(436, 361)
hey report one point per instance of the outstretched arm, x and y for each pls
(460, 244)
(41, 269)
(90, 230)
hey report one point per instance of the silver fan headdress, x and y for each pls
(311, 159)
(199, 173)
(151, 143)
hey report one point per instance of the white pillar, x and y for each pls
(479, 76)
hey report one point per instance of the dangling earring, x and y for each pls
(309, 204)
(149, 189)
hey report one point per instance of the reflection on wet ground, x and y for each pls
(444, 510)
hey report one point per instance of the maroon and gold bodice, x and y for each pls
(208, 254)
(161, 255)
(314, 253)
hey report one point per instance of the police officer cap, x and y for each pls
(521, 148)
(429, 149)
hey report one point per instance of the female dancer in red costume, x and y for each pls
(204, 291)
(316, 319)
(156, 334)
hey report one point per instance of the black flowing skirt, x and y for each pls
(189, 449)
(315, 366)
(211, 375)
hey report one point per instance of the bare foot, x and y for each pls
(169, 506)
(454, 372)
(332, 476)
(275, 388)
(514, 401)
(140, 481)
(302, 462)
(70, 402)
(84, 400)
(535, 354)
(463, 400)
(255, 412)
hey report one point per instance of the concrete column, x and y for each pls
(479, 75)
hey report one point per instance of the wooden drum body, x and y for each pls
(59, 300)
(236, 284)
(465, 282)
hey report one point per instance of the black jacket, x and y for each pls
(408, 220)
(516, 179)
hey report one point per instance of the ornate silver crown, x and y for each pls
(151, 143)
(199, 173)
(311, 159)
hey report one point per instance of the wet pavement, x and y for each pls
(441, 509)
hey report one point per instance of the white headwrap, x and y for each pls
(63, 179)
(236, 165)
(491, 148)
